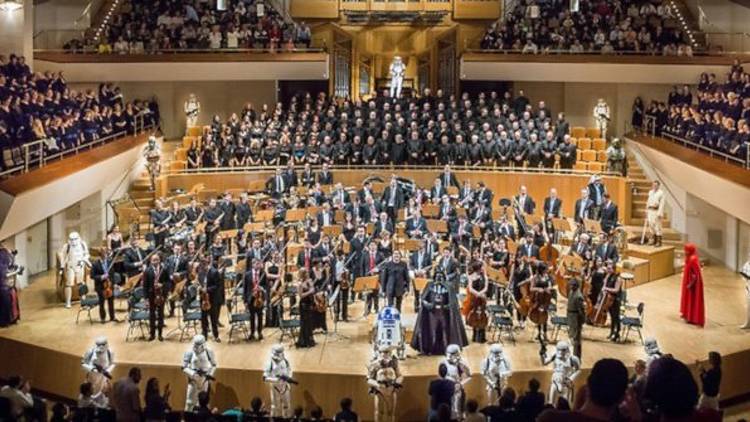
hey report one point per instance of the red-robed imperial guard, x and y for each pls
(692, 307)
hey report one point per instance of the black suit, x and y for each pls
(99, 269)
(394, 282)
(392, 201)
(551, 208)
(450, 268)
(609, 216)
(305, 258)
(325, 178)
(607, 251)
(132, 260)
(152, 277)
(530, 250)
(256, 313)
(367, 263)
(331, 218)
(416, 224)
(215, 289)
(449, 179)
(307, 179)
(277, 186)
(583, 208)
(420, 260)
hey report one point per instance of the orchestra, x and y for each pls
(356, 244)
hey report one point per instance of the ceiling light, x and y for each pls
(10, 5)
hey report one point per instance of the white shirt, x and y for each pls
(215, 39)
(233, 39)
(655, 200)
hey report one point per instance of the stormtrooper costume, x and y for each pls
(565, 369)
(601, 116)
(458, 372)
(397, 72)
(74, 257)
(199, 365)
(192, 110)
(277, 374)
(651, 347)
(745, 273)
(384, 379)
(98, 362)
(152, 153)
(496, 370)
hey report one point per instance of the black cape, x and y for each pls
(431, 343)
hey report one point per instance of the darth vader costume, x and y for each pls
(438, 320)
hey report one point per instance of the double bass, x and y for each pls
(475, 307)
(540, 301)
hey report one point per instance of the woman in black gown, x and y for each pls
(306, 310)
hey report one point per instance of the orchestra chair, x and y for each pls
(579, 166)
(584, 143)
(137, 314)
(500, 322)
(559, 322)
(87, 303)
(289, 327)
(599, 144)
(593, 132)
(633, 322)
(574, 141)
(191, 316)
(577, 132)
(238, 320)
(601, 156)
(579, 154)
(195, 130)
(180, 154)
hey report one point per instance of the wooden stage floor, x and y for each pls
(46, 346)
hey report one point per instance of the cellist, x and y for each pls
(520, 275)
(541, 293)
(476, 301)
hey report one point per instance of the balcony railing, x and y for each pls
(36, 155)
(650, 129)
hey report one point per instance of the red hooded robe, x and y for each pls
(692, 308)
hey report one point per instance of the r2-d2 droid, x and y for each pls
(389, 332)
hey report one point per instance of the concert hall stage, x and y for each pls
(47, 345)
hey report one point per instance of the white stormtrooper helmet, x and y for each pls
(74, 239)
(277, 352)
(101, 344)
(384, 353)
(563, 349)
(453, 353)
(496, 353)
(151, 141)
(397, 59)
(651, 346)
(199, 343)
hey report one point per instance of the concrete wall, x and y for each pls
(219, 97)
(577, 100)
(17, 31)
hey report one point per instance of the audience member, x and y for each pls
(472, 412)
(126, 397)
(151, 26)
(531, 403)
(710, 382)
(18, 393)
(346, 414)
(603, 26)
(41, 107)
(441, 393)
(156, 404)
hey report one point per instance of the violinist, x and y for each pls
(476, 302)
(214, 287)
(612, 288)
(582, 247)
(177, 265)
(321, 280)
(254, 289)
(273, 272)
(541, 289)
(419, 263)
(529, 248)
(103, 275)
(607, 250)
(342, 279)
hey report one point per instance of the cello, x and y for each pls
(541, 297)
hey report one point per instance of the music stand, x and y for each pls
(411, 245)
(264, 215)
(592, 226)
(296, 214)
(366, 284)
(254, 186)
(497, 276)
(332, 231)
(420, 283)
(437, 226)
